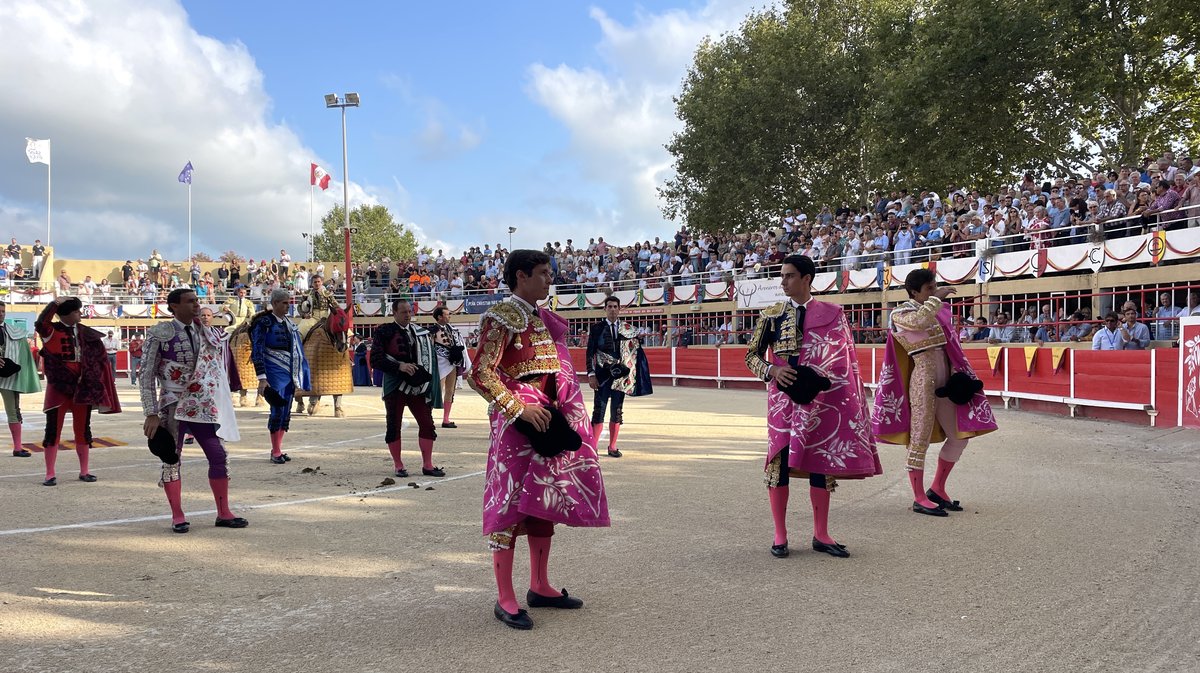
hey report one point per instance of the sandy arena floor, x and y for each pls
(1077, 552)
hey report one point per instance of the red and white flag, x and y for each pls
(319, 177)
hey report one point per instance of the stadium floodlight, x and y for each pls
(331, 100)
(352, 99)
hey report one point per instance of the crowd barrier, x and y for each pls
(1143, 387)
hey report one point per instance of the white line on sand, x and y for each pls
(247, 455)
(268, 505)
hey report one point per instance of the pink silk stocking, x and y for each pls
(917, 479)
(502, 564)
(174, 490)
(820, 506)
(539, 562)
(394, 449)
(779, 500)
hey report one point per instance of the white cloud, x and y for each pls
(128, 94)
(621, 117)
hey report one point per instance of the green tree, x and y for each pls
(231, 256)
(378, 234)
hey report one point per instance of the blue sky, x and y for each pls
(548, 116)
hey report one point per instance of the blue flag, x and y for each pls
(186, 174)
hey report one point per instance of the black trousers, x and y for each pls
(605, 394)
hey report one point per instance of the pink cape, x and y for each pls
(567, 488)
(892, 415)
(831, 436)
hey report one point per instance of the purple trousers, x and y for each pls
(206, 437)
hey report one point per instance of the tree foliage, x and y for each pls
(377, 235)
(813, 103)
(231, 256)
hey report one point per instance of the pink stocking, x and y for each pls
(174, 491)
(277, 443)
(502, 564)
(917, 479)
(426, 452)
(51, 457)
(81, 450)
(15, 429)
(939, 478)
(394, 449)
(613, 429)
(446, 412)
(779, 500)
(820, 506)
(539, 562)
(596, 428)
(220, 489)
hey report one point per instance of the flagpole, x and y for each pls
(189, 221)
(312, 245)
(48, 198)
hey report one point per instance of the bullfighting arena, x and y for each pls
(1078, 551)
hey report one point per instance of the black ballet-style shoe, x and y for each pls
(614, 453)
(21, 453)
(833, 549)
(235, 522)
(948, 505)
(401, 473)
(190, 440)
(449, 424)
(278, 460)
(433, 472)
(931, 511)
(181, 528)
(780, 550)
(520, 621)
(89, 478)
(52, 481)
(564, 601)
(286, 458)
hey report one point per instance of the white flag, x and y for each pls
(38, 151)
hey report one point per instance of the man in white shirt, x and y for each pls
(1166, 327)
(301, 281)
(111, 346)
(1108, 337)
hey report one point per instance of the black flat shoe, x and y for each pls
(401, 473)
(614, 453)
(286, 458)
(435, 472)
(89, 478)
(948, 505)
(780, 550)
(563, 601)
(834, 549)
(190, 440)
(278, 460)
(236, 522)
(931, 511)
(22, 454)
(181, 527)
(519, 621)
(451, 424)
(52, 481)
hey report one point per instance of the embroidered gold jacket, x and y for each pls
(776, 330)
(513, 344)
(915, 325)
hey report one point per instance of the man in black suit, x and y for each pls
(605, 369)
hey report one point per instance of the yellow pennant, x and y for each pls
(1158, 246)
(1057, 356)
(1030, 354)
(994, 353)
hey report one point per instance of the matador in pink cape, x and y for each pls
(827, 437)
(522, 368)
(913, 403)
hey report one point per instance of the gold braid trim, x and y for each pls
(510, 314)
(494, 337)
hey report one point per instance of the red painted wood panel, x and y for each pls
(1043, 380)
(733, 362)
(695, 362)
(1166, 385)
(1115, 376)
(659, 360)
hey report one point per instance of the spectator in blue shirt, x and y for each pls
(1134, 335)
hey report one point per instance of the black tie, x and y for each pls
(191, 337)
(613, 329)
(800, 311)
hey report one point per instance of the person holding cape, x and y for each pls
(817, 420)
(542, 467)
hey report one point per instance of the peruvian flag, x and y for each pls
(319, 177)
